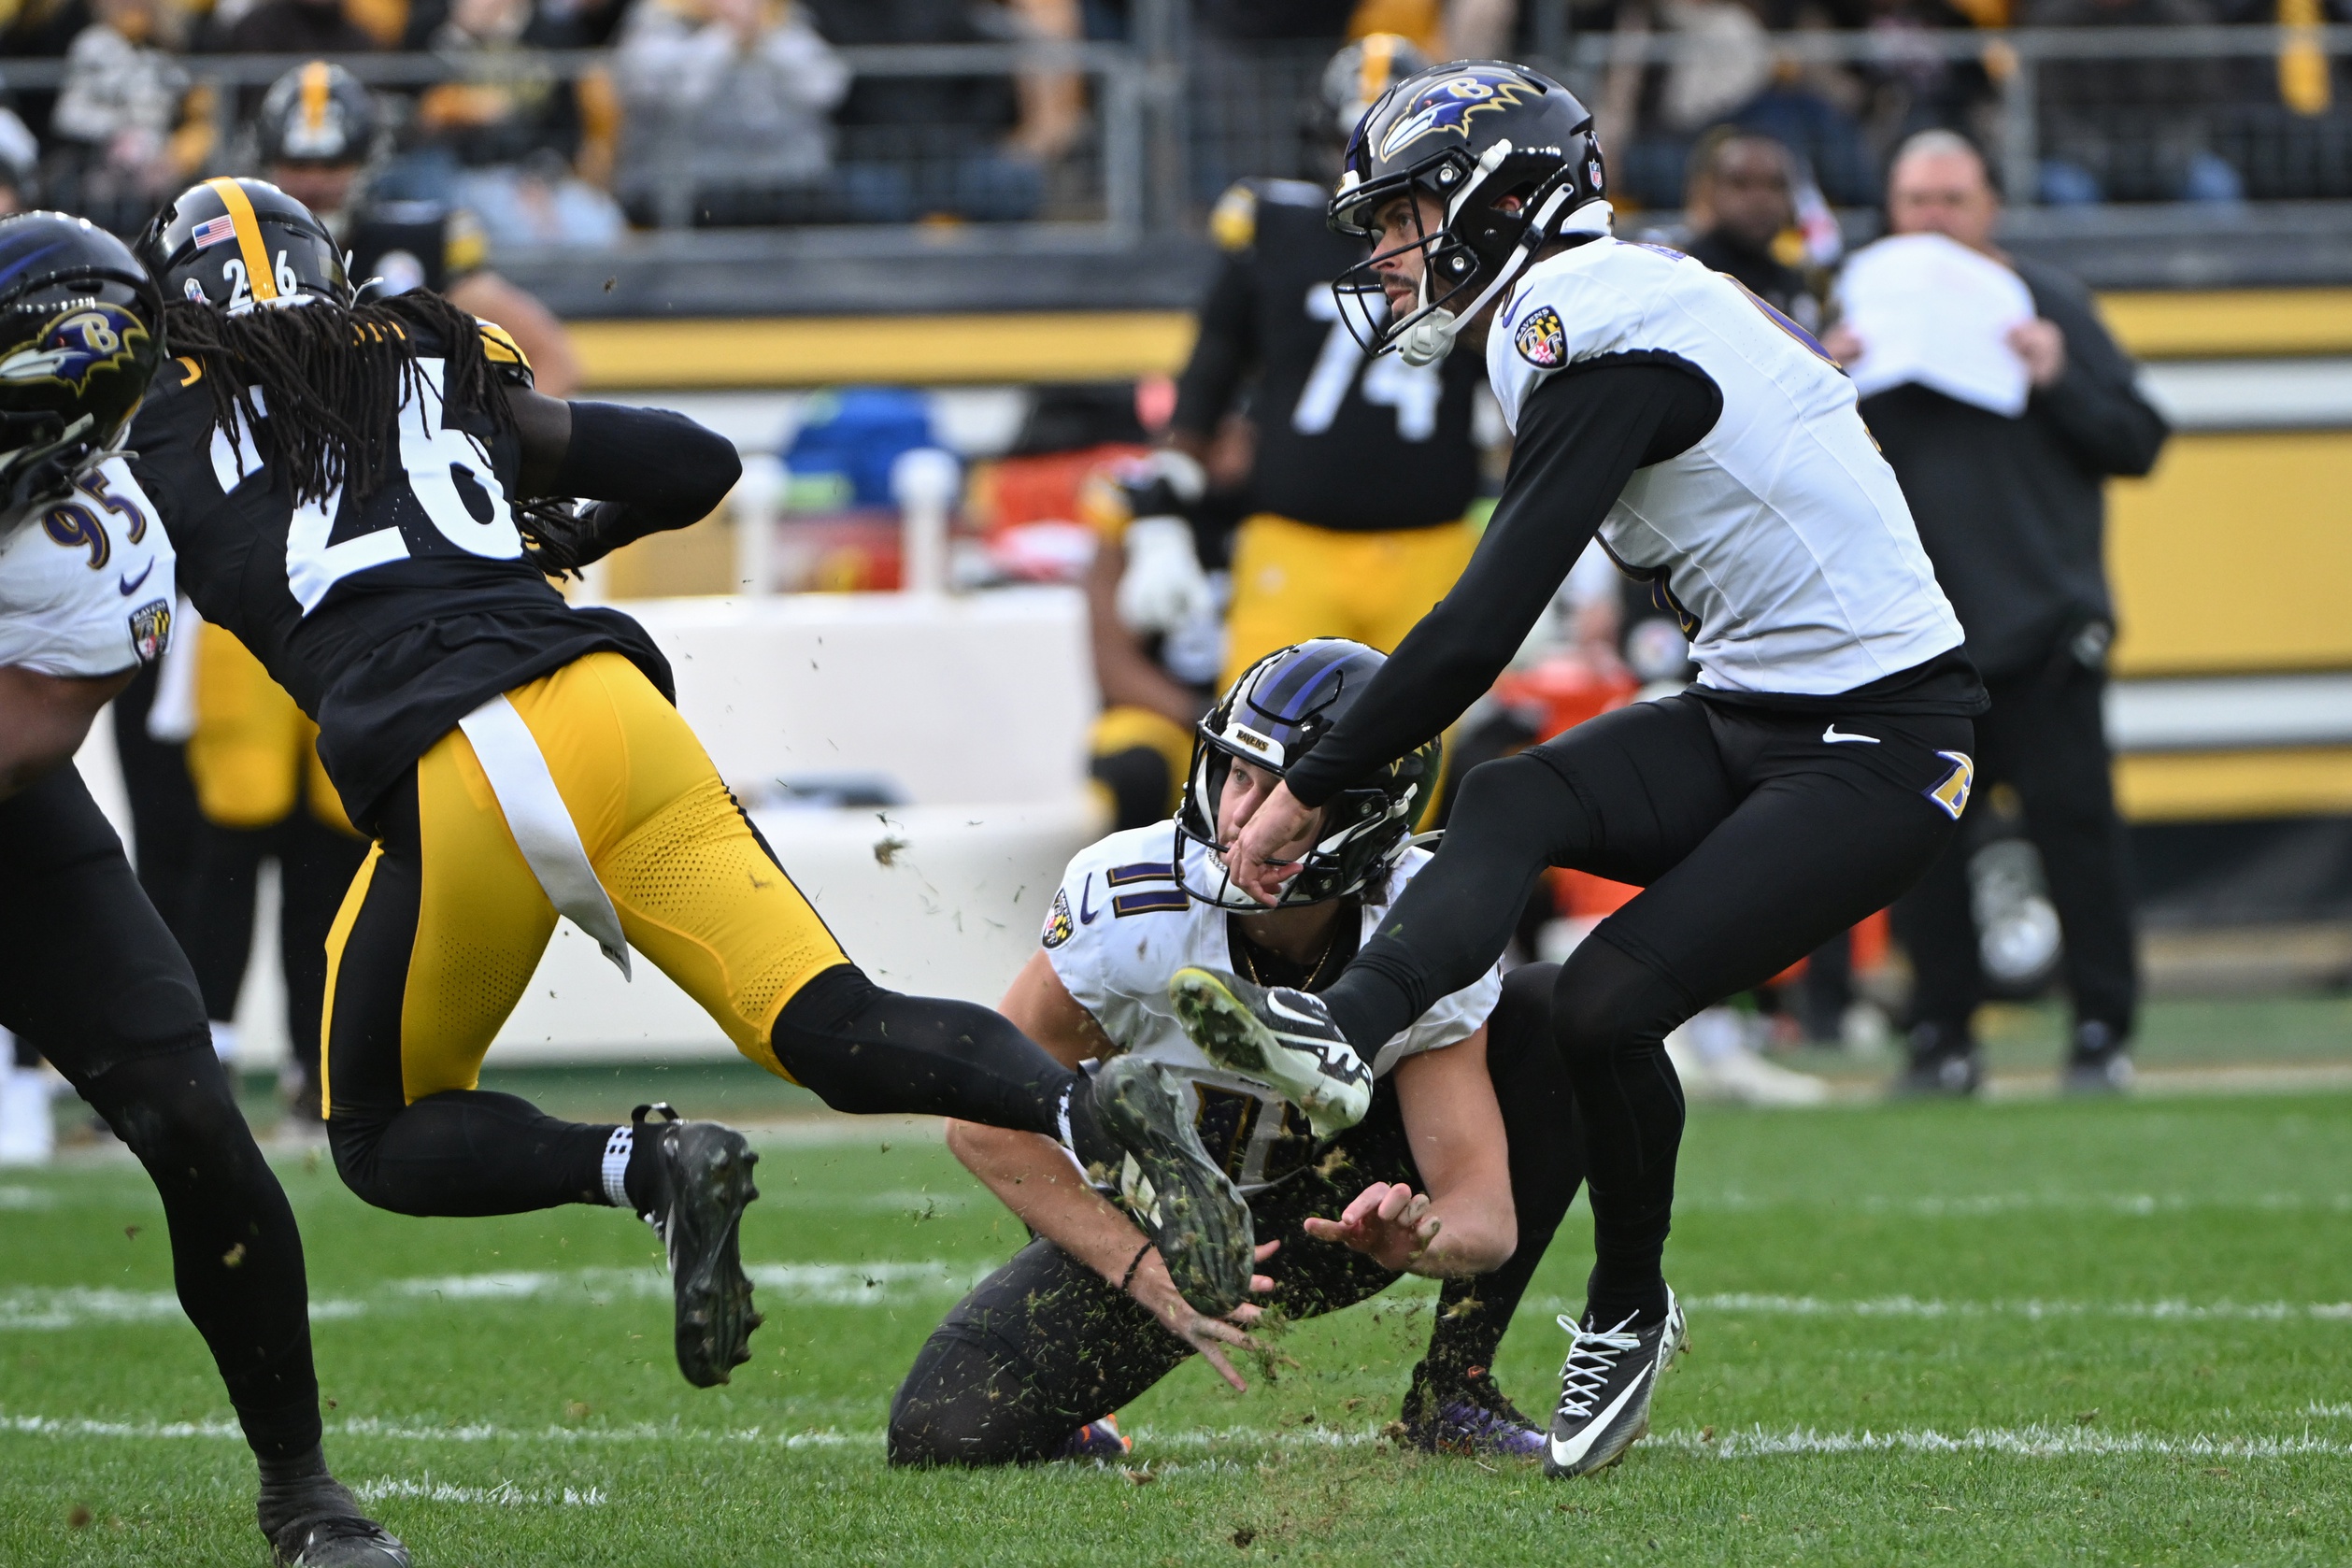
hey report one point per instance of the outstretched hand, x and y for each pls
(1265, 854)
(1389, 1222)
(1210, 1337)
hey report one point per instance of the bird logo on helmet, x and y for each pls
(1270, 718)
(79, 344)
(239, 244)
(1509, 157)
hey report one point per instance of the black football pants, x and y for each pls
(88, 971)
(2046, 736)
(1755, 836)
(1045, 1344)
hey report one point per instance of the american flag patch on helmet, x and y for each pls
(215, 231)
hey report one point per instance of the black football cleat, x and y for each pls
(1466, 1414)
(1605, 1387)
(322, 1526)
(1945, 1064)
(1279, 1036)
(1202, 1228)
(704, 1172)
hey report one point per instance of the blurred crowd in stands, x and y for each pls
(728, 112)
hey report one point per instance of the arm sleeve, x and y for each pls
(665, 468)
(1224, 352)
(2095, 407)
(1581, 435)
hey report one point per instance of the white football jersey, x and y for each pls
(1782, 536)
(86, 584)
(1121, 926)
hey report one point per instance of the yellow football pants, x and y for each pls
(445, 921)
(254, 755)
(1293, 581)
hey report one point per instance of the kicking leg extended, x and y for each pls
(447, 921)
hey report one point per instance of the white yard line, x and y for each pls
(2027, 1442)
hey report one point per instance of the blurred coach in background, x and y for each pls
(2013, 513)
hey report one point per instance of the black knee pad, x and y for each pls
(1607, 1001)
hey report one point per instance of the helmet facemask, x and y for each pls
(1482, 245)
(1363, 831)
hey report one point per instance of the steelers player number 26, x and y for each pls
(1389, 382)
(241, 288)
(455, 485)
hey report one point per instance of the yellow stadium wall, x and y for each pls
(2235, 556)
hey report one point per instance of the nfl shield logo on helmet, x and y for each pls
(151, 630)
(1542, 341)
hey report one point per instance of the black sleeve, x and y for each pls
(1580, 437)
(2095, 407)
(665, 468)
(1223, 354)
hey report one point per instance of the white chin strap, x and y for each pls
(1429, 335)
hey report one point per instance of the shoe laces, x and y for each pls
(1592, 1356)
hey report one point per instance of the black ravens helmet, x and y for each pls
(80, 338)
(317, 113)
(238, 243)
(1470, 136)
(1273, 716)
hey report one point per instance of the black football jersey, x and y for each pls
(390, 617)
(1343, 441)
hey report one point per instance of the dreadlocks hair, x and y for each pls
(334, 377)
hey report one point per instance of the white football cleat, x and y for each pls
(1279, 1036)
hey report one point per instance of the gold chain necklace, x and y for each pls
(1314, 971)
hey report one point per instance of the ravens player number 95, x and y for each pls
(88, 973)
(366, 495)
(1816, 770)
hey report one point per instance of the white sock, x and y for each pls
(616, 1147)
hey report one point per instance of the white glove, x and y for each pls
(1163, 586)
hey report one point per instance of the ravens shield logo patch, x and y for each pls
(151, 630)
(1058, 922)
(1542, 341)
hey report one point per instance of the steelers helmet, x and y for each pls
(1468, 135)
(236, 244)
(317, 113)
(1273, 716)
(1351, 83)
(80, 338)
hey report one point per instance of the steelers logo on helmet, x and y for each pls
(1444, 106)
(1268, 720)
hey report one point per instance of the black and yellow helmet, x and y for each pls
(80, 338)
(317, 113)
(1271, 716)
(236, 244)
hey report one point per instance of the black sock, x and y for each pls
(873, 1051)
(468, 1151)
(1468, 1331)
(1611, 1298)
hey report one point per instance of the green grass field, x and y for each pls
(2020, 1332)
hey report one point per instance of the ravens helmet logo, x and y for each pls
(1447, 105)
(76, 346)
